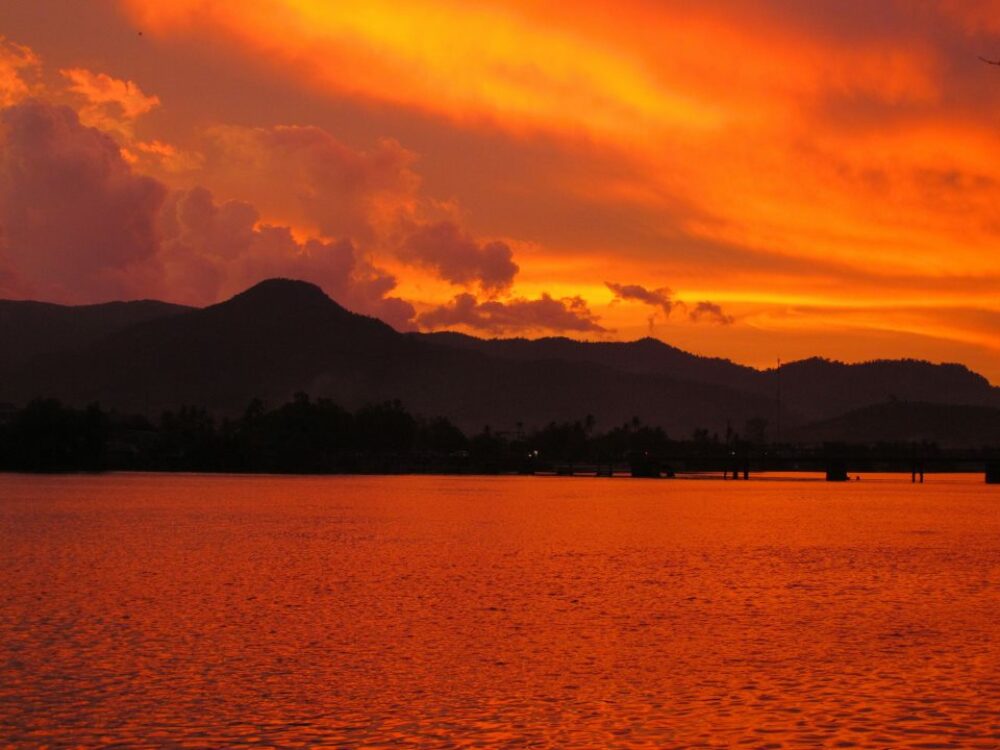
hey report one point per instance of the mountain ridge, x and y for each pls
(28, 327)
(282, 336)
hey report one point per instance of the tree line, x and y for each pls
(318, 436)
(304, 435)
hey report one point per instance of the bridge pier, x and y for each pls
(745, 471)
(836, 471)
(993, 472)
(645, 469)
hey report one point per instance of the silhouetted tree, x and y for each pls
(384, 428)
(441, 436)
(187, 439)
(302, 436)
(47, 436)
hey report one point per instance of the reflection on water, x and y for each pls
(190, 611)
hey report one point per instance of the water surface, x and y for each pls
(191, 611)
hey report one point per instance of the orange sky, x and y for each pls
(823, 175)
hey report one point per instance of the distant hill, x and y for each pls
(271, 340)
(948, 425)
(283, 336)
(31, 328)
(646, 356)
(818, 388)
(810, 389)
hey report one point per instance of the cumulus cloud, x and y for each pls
(100, 89)
(213, 250)
(113, 105)
(371, 196)
(368, 198)
(75, 220)
(460, 259)
(711, 313)
(78, 225)
(19, 70)
(661, 298)
(79, 222)
(164, 156)
(516, 315)
(109, 103)
(338, 190)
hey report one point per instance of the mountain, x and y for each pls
(811, 389)
(646, 356)
(282, 336)
(948, 425)
(28, 329)
(819, 389)
(268, 341)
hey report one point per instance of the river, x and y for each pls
(439, 612)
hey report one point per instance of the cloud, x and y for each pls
(111, 104)
(213, 250)
(368, 198)
(975, 17)
(513, 316)
(372, 197)
(471, 62)
(82, 223)
(75, 221)
(661, 298)
(100, 89)
(78, 225)
(710, 312)
(17, 62)
(337, 190)
(805, 184)
(664, 300)
(629, 72)
(165, 156)
(460, 259)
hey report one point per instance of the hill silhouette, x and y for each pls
(28, 329)
(271, 339)
(282, 336)
(819, 388)
(647, 356)
(947, 425)
(811, 389)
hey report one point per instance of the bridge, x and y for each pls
(742, 464)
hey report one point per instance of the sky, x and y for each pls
(751, 179)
